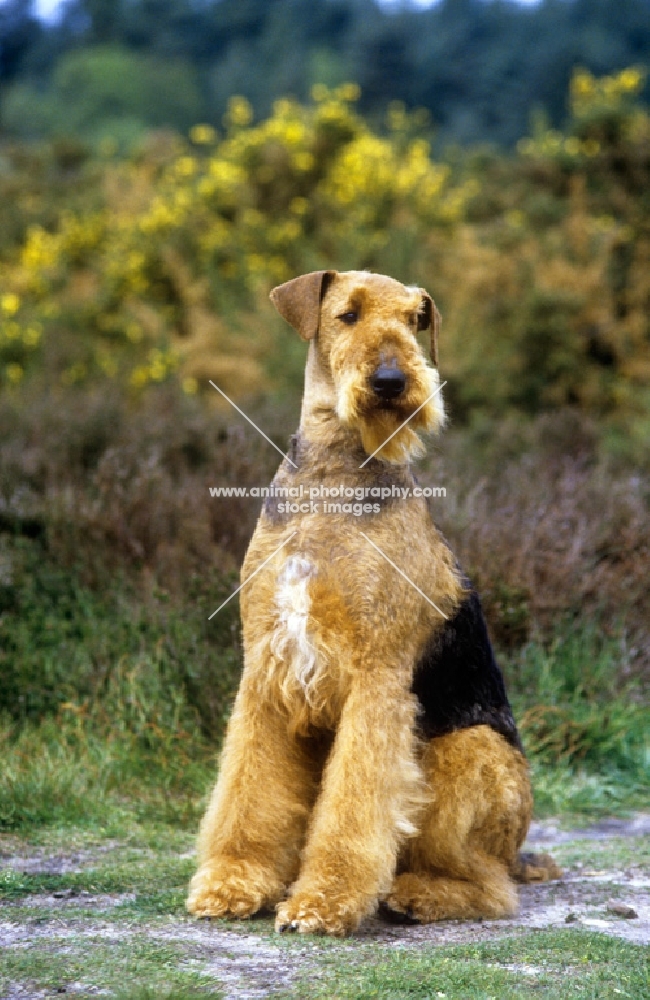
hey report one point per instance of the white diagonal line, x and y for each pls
(234, 594)
(435, 391)
(407, 578)
(259, 431)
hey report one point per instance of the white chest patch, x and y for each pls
(290, 641)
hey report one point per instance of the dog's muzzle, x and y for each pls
(388, 381)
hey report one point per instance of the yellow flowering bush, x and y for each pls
(591, 94)
(554, 271)
(158, 267)
(189, 231)
(604, 112)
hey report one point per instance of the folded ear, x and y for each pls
(429, 318)
(298, 301)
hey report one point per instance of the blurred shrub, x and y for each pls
(548, 530)
(113, 553)
(127, 283)
(137, 284)
(113, 557)
(62, 642)
(105, 92)
(546, 289)
(135, 749)
(111, 545)
(156, 267)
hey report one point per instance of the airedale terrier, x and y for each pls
(371, 755)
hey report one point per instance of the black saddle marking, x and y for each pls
(458, 681)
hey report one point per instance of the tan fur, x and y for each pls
(478, 814)
(324, 792)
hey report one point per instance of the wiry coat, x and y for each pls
(371, 752)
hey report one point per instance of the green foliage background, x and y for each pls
(133, 270)
(479, 68)
(141, 229)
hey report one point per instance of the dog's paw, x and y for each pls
(536, 868)
(317, 913)
(229, 888)
(424, 898)
(409, 901)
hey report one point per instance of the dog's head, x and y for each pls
(363, 328)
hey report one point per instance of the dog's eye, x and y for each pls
(350, 317)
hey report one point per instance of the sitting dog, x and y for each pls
(371, 755)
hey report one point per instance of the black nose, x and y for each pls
(388, 382)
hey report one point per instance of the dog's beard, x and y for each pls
(376, 420)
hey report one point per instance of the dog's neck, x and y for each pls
(320, 425)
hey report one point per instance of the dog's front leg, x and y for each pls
(253, 830)
(370, 788)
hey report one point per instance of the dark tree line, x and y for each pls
(479, 66)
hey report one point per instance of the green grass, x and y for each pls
(88, 773)
(615, 852)
(156, 877)
(578, 793)
(553, 965)
(98, 774)
(93, 926)
(94, 639)
(154, 968)
(126, 872)
(186, 992)
(585, 732)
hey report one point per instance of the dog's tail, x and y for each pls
(535, 868)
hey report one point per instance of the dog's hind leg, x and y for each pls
(462, 863)
(253, 830)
